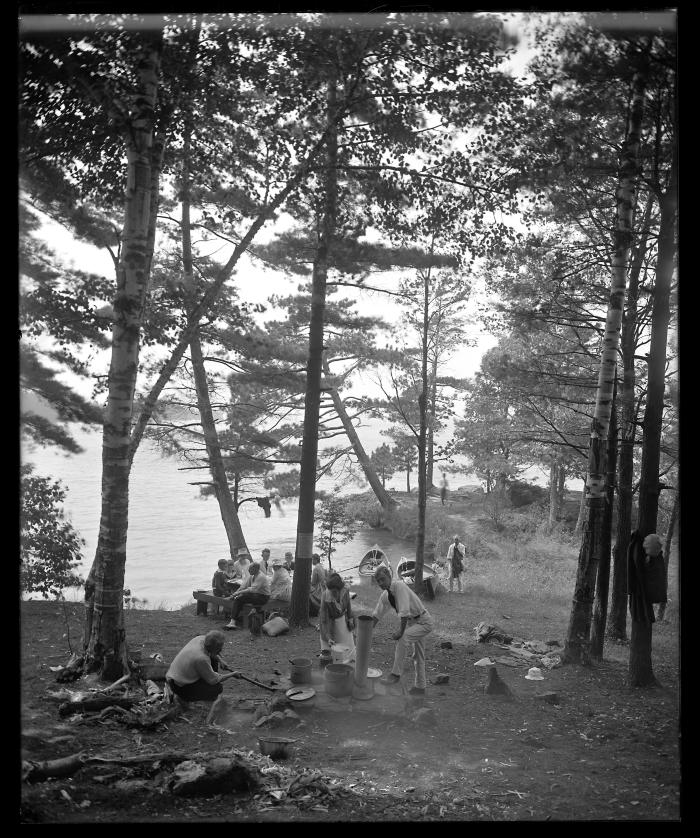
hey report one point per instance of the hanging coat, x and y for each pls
(641, 609)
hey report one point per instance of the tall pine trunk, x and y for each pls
(387, 502)
(600, 607)
(105, 643)
(432, 409)
(661, 613)
(640, 668)
(301, 585)
(553, 493)
(422, 440)
(617, 624)
(227, 508)
(576, 648)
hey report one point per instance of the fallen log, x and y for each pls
(34, 772)
(94, 705)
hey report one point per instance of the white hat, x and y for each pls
(485, 662)
(534, 674)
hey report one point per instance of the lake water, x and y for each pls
(176, 537)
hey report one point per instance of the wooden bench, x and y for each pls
(204, 598)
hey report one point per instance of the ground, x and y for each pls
(603, 752)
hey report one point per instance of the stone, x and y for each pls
(441, 679)
(446, 644)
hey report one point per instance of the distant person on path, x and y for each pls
(254, 591)
(336, 618)
(416, 624)
(443, 489)
(318, 585)
(219, 581)
(281, 582)
(456, 553)
(194, 673)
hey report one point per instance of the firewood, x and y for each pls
(94, 705)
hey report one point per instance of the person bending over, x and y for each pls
(194, 673)
(416, 624)
(337, 622)
(255, 590)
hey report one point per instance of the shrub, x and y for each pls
(521, 493)
(50, 549)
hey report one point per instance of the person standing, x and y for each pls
(415, 624)
(194, 673)
(254, 591)
(318, 585)
(443, 489)
(336, 621)
(456, 554)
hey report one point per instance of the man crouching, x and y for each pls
(194, 673)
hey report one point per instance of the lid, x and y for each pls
(300, 693)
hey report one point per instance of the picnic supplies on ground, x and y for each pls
(274, 626)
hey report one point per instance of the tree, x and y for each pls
(576, 648)
(336, 525)
(116, 71)
(50, 548)
(384, 461)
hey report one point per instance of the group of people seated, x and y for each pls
(246, 582)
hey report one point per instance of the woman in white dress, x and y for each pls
(336, 620)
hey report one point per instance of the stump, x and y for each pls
(496, 685)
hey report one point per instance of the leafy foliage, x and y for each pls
(336, 524)
(50, 548)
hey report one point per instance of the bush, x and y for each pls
(50, 549)
(521, 493)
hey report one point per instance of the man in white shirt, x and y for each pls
(194, 673)
(456, 554)
(255, 590)
(265, 561)
(416, 624)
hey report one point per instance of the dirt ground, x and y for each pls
(603, 752)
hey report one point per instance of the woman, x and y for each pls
(336, 619)
(318, 585)
(281, 582)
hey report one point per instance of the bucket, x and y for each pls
(338, 679)
(300, 671)
(275, 747)
(340, 654)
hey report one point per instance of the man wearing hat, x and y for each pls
(239, 569)
(416, 624)
(254, 591)
(281, 582)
